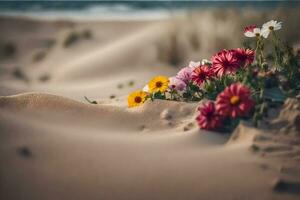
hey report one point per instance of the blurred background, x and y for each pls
(74, 48)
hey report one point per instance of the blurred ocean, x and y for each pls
(121, 9)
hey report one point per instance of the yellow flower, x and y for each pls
(136, 98)
(159, 84)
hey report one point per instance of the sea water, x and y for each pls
(122, 10)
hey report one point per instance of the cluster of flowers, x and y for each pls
(267, 28)
(233, 82)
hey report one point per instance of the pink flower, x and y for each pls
(201, 74)
(245, 56)
(234, 101)
(208, 117)
(249, 30)
(225, 62)
(185, 74)
(177, 84)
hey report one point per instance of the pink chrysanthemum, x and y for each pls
(234, 101)
(208, 117)
(225, 62)
(177, 84)
(185, 74)
(201, 74)
(244, 56)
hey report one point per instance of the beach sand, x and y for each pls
(55, 145)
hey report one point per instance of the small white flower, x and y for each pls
(269, 26)
(205, 61)
(193, 64)
(249, 30)
(249, 34)
(146, 88)
(256, 32)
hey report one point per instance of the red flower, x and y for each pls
(234, 101)
(225, 62)
(249, 28)
(245, 56)
(201, 74)
(208, 117)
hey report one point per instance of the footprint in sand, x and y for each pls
(143, 128)
(24, 152)
(188, 127)
(276, 146)
(166, 114)
(286, 186)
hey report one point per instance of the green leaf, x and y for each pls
(158, 95)
(274, 94)
(194, 88)
(186, 95)
(90, 101)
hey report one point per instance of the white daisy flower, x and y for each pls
(205, 61)
(254, 32)
(193, 64)
(249, 31)
(258, 32)
(270, 26)
(146, 88)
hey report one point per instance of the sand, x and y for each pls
(55, 145)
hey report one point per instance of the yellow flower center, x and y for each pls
(138, 99)
(158, 84)
(271, 28)
(234, 100)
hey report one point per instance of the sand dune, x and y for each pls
(64, 149)
(140, 45)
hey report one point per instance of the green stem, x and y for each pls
(277, 51)
(259, 51)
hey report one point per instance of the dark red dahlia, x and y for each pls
(234, 101)
(201, 74)
(245, 56)
(225, 62)
(208, 118)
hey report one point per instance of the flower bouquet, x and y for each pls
(236, 84)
